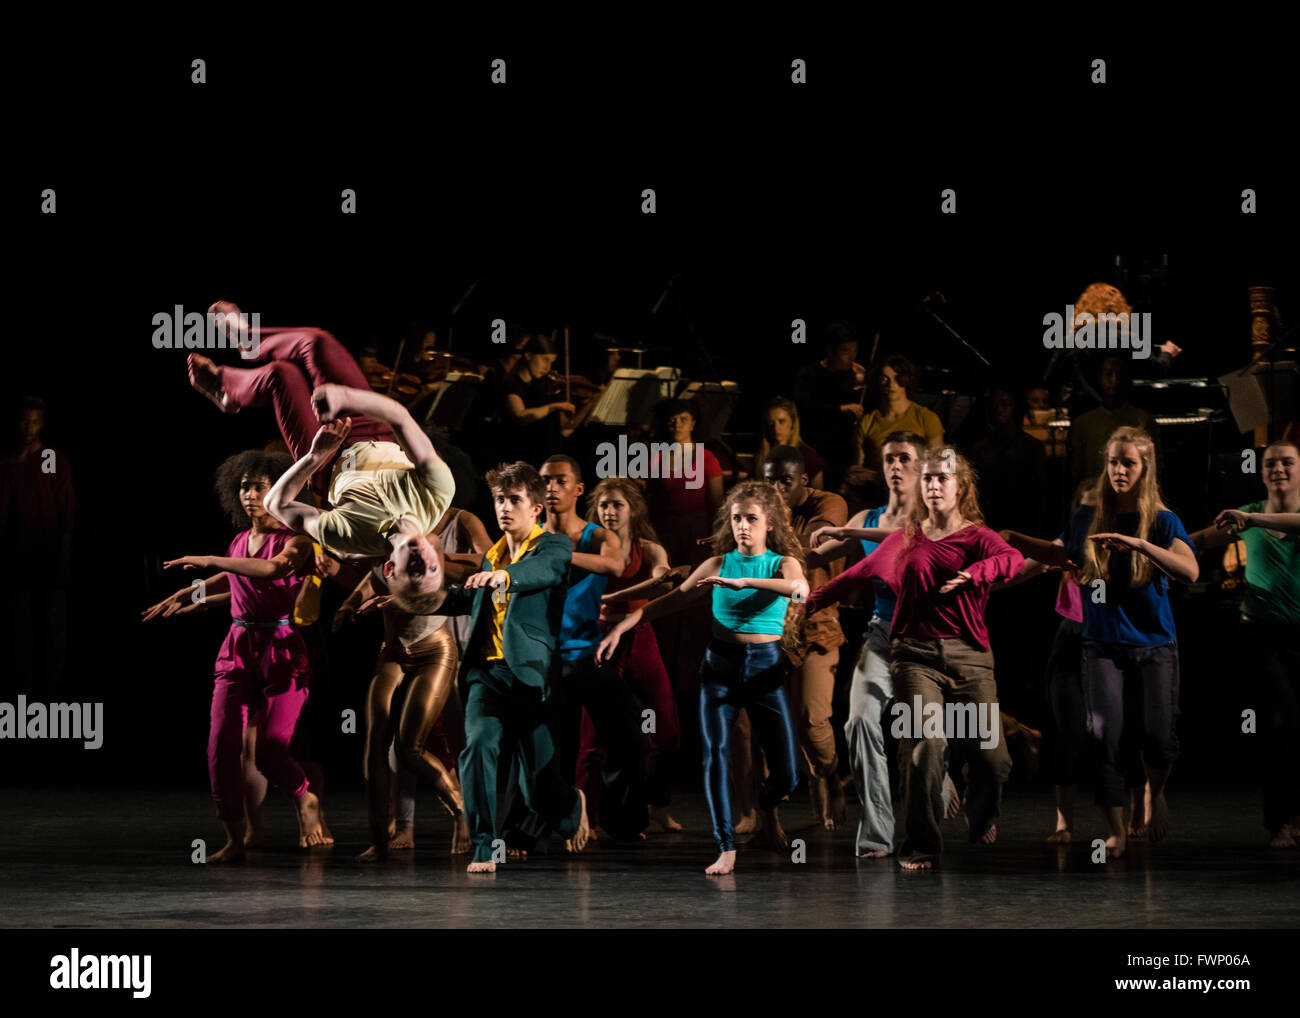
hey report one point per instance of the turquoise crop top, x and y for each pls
(750, 611)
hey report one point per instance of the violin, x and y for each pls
(402, 386)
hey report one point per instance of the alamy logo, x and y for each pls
(25, 720)
(639, 460)
(949, 720)
(102, 972)
(1102, 332)
(176, 330)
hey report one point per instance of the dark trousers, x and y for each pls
(941, 671)
(1131, 694)
(613, 709)
(1065, 693)
(752, 676)
(502, 711)
(1273, 653)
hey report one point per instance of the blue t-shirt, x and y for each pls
(1132, 616)
(886, 602)
(579, 632)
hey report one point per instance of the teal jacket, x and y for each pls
(534, 609)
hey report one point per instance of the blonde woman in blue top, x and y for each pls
(756, 568)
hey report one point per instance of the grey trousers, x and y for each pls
(869, 696)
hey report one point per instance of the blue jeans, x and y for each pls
(752, 676)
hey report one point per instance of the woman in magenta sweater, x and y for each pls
(941, 565)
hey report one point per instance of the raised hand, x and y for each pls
(330, 437)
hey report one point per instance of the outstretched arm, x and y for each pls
(1234, 521)
(291, 561)
(675, 600)
(607, 561)
(182, 600)
(1049, 553)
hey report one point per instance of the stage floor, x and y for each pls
(114, 859)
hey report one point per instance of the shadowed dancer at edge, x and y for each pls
(1129, 546)
(508, 663)
(387, 495)
(941, 566)
(262, 668)
(1269, 632)
(743, 666)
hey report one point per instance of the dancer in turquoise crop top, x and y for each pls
(750, 610)
(744, 666)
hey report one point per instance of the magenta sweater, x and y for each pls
(917, 570)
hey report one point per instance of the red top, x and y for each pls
(917, 570)
(674, 498)
(637, 571)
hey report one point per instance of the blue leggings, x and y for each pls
(752, 676)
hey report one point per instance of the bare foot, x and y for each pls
(771, 835)
(309, 832)
(205, 376)
(516, 853)
(1140, 813)
(253, 832)
(1060, 836)
(460, 843)
(326, 837)
(402, 840)
(481, 867)
(659, 815)
(725, 863)
(1115, 846)
(1284, 838)
(374, 854)
(748, 822)
(579, 840)
(952, 800)
(990, 836)
(392, 827)
(231, 851)
(873, 853)
(916, 864)
(1159, 823)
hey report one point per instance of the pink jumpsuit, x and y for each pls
(262, 665)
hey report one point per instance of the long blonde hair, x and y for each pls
(765, 446)
(968, 502)
(1096, 558)
(780, 539)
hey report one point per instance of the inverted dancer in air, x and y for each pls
(514, 603)
(262, 668)
(387, 486)
(755, 569)
(941, 566)
(1270, 627)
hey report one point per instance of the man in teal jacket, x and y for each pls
(515, 604)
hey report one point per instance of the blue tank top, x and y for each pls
(750, 611)
(885, 599)
(579, 631)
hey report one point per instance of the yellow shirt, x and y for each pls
(494, 556)
(874, 429)
(373, 486)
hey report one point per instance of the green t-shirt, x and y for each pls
(1272, 574)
